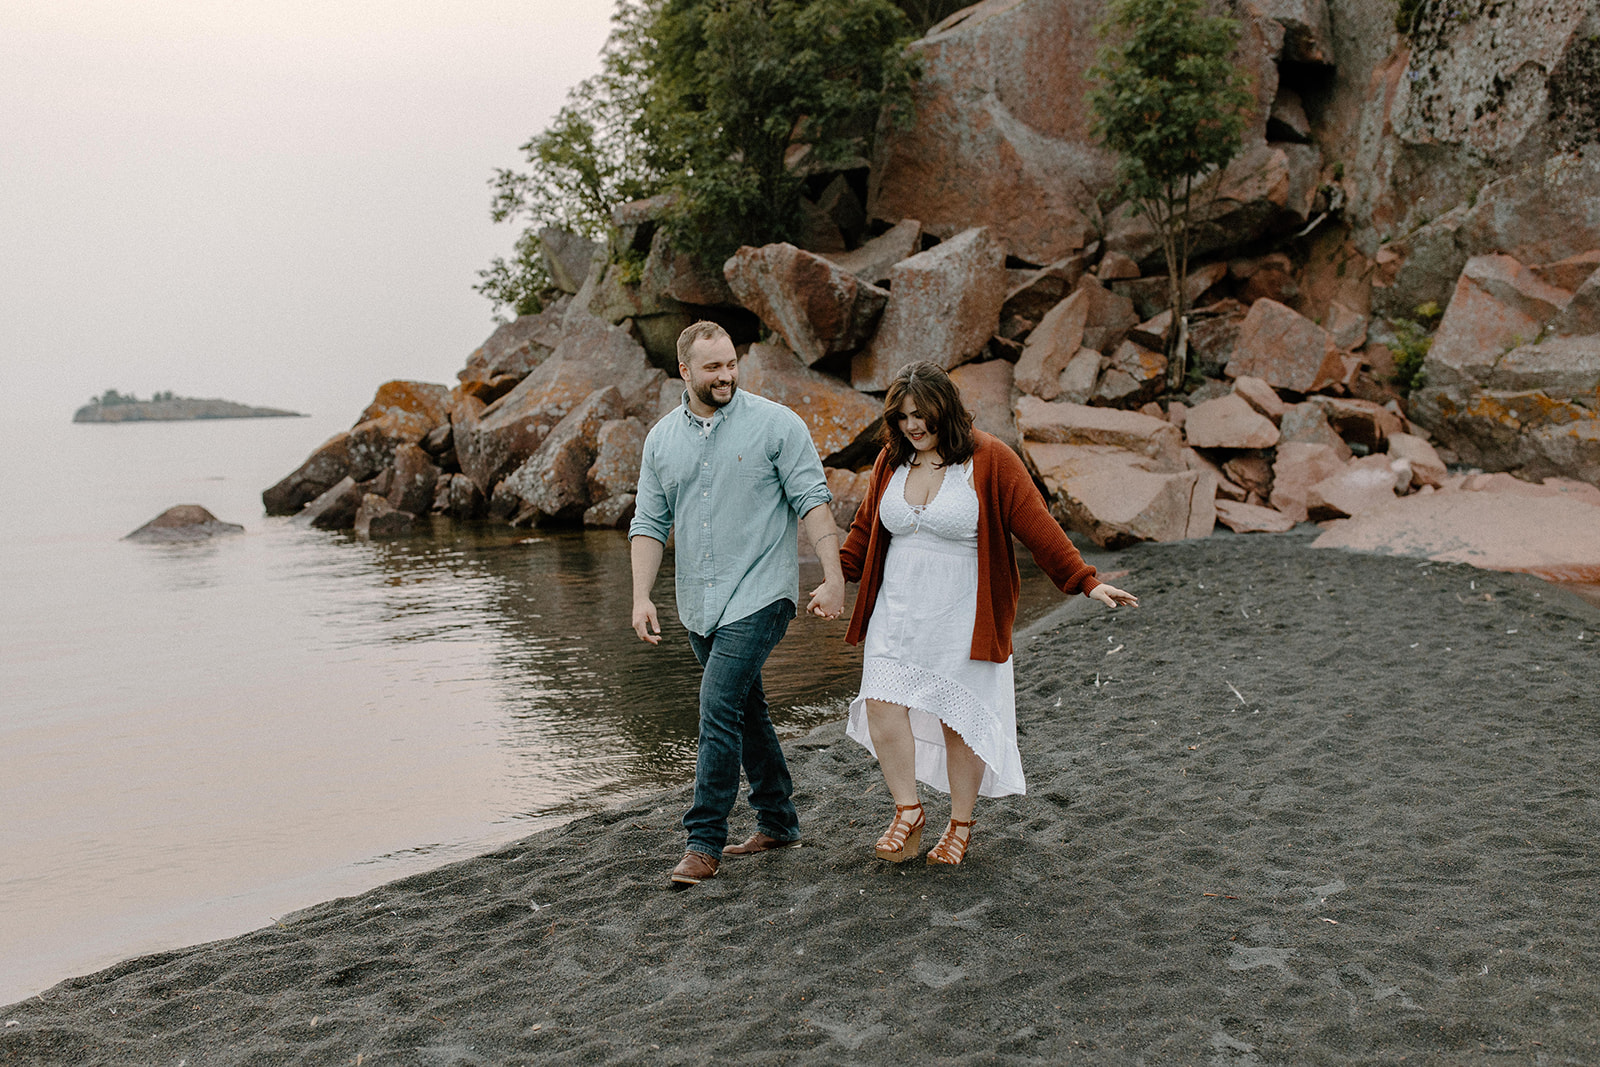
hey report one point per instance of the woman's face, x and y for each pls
(917, 431)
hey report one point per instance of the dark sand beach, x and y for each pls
(1302, 807)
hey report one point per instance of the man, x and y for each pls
(728, 472)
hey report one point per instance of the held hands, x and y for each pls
(1112, 597)
(827, 600)
(645, 623)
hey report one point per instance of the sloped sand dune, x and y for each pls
(1321, 808)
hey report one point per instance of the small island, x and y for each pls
(114, 406)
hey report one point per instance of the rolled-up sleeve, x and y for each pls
(798, 465)
(652, 515)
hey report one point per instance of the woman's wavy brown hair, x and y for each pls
(939, 403)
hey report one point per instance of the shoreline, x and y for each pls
(1287, 811)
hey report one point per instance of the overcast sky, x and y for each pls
(279, 202)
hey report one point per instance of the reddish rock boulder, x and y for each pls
(989, 143)
(1261, 396)
(514, 349)
(1307, 423)
(1498, 304)
(458, 497)
(1363, 484)
(619, 447)
(1155, 441)
(320, 472)
(1426, 466)
(1297, 468)
(1252, 518)
(1582, 313)
(553, 485)
(1052, 345)
(567, 257)
(415, 480)
(186, 522)
(1110, 495)
(1347, 327)
(1361, 422)
(612, 513)
(1251, 471)
(944, 304)
(429, 402)
(1034, 293)
(591, 356)
(1114, 266)
(1307, 30)
(1269, 277)
(1286, 349)
(681, 277)
(1571, 272)
(818, 308)
(377, 518)
(1228, 422)
(985, 389)
(873, 260)
(1132, 374)
(1531, 433)
(334, 509)
(1564, 368)
(843, 423)
(1078, 380)
(1109, 317)
(1153, 295)
(1213, 336)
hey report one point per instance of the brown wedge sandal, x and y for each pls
(951, 849)
(901, 841)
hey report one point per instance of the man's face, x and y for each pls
(712, 373)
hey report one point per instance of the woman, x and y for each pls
(931, 548)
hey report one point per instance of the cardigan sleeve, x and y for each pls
(1031, 522)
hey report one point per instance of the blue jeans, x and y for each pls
(735, 729)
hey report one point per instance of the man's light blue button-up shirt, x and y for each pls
(734, 492)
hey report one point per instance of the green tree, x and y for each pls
(734, 84)
(704, 99)
(1173, 106)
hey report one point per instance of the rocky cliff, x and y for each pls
(1456, 165)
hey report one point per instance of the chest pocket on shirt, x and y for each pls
(754, 469)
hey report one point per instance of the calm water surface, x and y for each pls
(197, 739)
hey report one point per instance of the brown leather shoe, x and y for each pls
(759, 842)
(694, 868)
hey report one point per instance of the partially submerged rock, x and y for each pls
(185, 522)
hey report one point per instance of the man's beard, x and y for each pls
(706, 396)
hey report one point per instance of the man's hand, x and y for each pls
(827, 600)
(645, 623)
(1112, 597)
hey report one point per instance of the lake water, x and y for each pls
(197, 739)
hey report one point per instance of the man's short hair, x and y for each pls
(694, 333)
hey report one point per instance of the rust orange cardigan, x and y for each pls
(1008, 503)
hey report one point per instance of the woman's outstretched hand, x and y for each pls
(1112, 597)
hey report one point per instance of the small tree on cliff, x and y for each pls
(1173, 106)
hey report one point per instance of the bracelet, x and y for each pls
(825, 536)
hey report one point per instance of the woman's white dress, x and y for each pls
(919, 639)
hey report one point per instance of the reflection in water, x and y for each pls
(590, 712)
